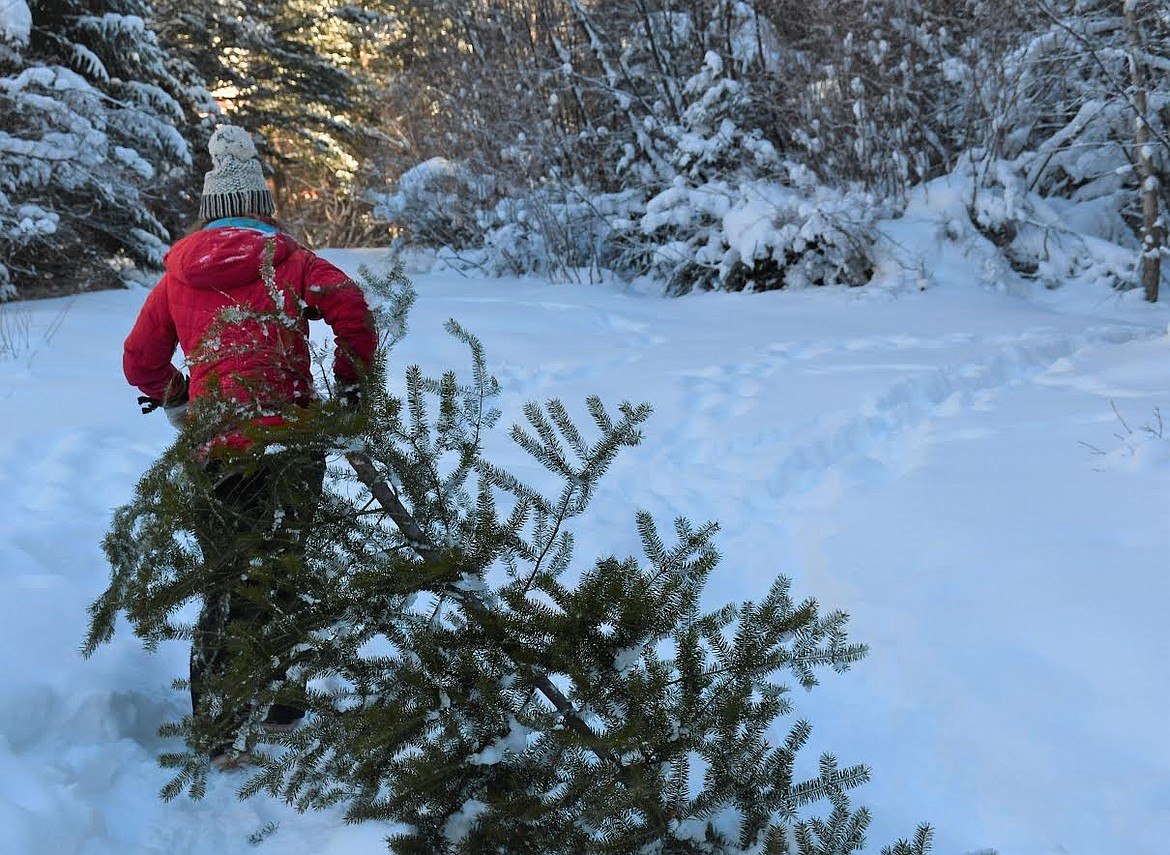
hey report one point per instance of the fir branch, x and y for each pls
(368, 473)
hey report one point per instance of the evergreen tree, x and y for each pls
(467, 682)
(738, 216)
(305, 77)
(91, 144)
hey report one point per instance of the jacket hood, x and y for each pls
(224, 258)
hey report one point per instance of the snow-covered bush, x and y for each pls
(1052, 239)
(759, 235)
(1071, 118)
(558, 231)
(15, 22)
(435, 203)
(738, 216)
(1060, 187)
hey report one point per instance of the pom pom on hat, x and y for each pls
(230, 141)
(235, 186)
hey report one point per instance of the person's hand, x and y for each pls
(175, 406)
(176, 414)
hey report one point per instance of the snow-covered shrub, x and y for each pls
(738, 216)
(503, 227)
(15, 22)
(557, 231)
(435, 203)
(1072, 116)
(1053, 239)
(1059, 186)
(760, 235)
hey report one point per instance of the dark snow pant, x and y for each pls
(254, 525)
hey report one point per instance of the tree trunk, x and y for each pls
(1153, 234)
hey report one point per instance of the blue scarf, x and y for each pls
(242, 223)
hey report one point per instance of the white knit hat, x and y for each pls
(235, 185)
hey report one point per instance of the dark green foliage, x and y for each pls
(305, 77)
(284, 66)
(469, 683)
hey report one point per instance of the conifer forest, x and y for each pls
(562, 136)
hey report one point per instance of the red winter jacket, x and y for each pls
(264, 365)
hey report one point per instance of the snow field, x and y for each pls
(945, 465)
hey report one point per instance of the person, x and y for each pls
(236, 297)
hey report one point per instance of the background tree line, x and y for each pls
(712, 143)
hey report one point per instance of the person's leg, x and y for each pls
(265, 515)
(297, 486)
(232, 518)
(208, 658)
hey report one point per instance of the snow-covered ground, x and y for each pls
(973, 472)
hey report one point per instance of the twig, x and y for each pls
(1117, 413)
(1156, 430)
